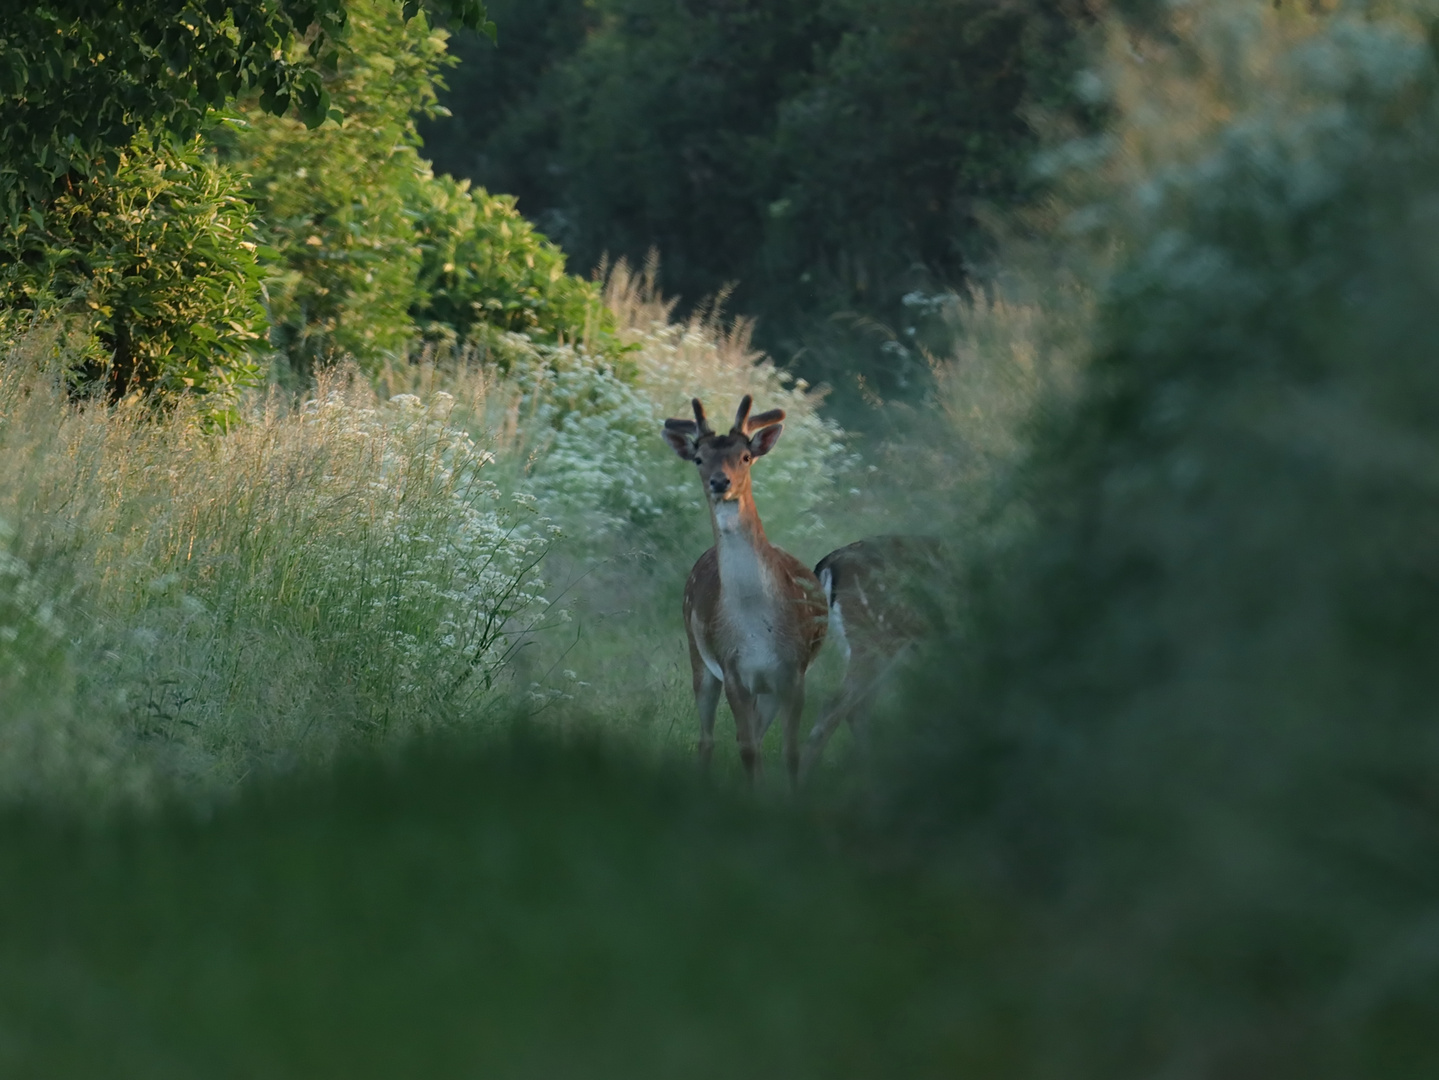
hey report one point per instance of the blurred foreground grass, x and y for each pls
(524, 910)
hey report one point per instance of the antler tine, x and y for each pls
(763, 420)
(742, 415)
(702, 425)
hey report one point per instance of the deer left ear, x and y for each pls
(681, 435)
(763, 440)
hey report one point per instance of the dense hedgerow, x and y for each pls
(1187, 710)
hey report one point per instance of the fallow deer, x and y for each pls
(755, 615)
(871, 587)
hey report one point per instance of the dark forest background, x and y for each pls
(825, 159)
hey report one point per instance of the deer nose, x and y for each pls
(719, 484)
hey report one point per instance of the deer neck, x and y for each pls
(743, 550)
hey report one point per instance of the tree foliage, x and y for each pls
(109, 206)
(158, 260)
(79, 78)
(336, 203)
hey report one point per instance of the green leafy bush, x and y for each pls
(158, 260)
(371, 249)
(486, 267)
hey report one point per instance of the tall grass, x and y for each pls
(213, 603)
(351, 567)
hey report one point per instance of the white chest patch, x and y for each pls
(747, 612)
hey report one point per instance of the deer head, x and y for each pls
(724, 460)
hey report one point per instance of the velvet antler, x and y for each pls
(702, 426)
(742, 415)
(745, 424)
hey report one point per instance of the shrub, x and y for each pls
(485, 267)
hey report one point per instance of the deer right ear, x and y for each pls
(763, 440)
(682, 435)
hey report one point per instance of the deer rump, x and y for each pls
(874, 591)
(870, 587)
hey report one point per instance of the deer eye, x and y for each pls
(744, 459)
(699, 460)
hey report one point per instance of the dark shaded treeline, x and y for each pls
(825, 157)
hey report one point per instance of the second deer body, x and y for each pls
(755, 616)
(872, 587)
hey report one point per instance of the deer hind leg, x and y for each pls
(793, 708)
(842, 706)
(831, 716)
(854, 703)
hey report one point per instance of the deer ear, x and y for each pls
(681, 435)
(763, 440)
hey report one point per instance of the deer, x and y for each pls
(870, 588)
(754, 615)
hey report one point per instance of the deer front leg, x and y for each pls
(707, 688)
(707, 695)
(746, 724)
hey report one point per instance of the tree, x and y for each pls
(79, 78)
(110, 211)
